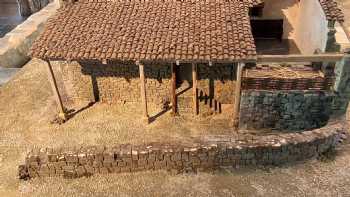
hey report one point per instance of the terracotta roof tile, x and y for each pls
(332, 11)
(252, 3)
(168, 30)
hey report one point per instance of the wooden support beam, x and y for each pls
(52, 79)
(194, 89)
(322, 57)
(237, 94)
(143, 92)
(173, 90)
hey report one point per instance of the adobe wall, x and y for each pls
(218, 81)
(207, 154)
(285, 110)
(119, 82)
(287, 10)
(116, 82)
(312, 27)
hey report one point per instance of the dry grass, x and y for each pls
(26, 108)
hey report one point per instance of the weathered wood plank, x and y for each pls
(53, 82)
(194, 89)
(237, 94)
(173, 90)
(329, 57)
(143, 93)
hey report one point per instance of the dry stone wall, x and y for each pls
(285, 110)
(210, 152)
(118, 82)
(77, 85)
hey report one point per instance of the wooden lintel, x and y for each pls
(143, 92)
(173, 90)
(53, 82)
(323, 57)
(194, 89)
(237, 96)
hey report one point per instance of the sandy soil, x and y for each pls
(27, 107)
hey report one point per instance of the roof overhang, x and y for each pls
(186, 31)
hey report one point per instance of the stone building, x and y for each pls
(271, 62)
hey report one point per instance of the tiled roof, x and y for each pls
(252, 3)
(214, 30)
(332, 11)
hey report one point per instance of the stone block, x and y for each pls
(159, 164)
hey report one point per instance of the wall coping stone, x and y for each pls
(206, 153)
(14, 46)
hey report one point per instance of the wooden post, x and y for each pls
(143, 92)
(52, 79)
(173, 89)
(237, 94)
(194, 88)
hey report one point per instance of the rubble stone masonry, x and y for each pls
(115, 82)
(286, 110)
(119, 82)
(208, 153)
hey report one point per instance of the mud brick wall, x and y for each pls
(217, 81)
(285, 110)
(78, 86)
(116, 82)
(205, 155)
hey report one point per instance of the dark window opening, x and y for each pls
(267, 29)
(256, 11)
(183, 75)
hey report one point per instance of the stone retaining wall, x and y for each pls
(285, 110)
(14, 46)
(210, 152)
(28, 7)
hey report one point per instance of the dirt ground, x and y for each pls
(27, 107)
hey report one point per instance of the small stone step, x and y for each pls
(184, 105)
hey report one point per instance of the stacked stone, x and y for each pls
(217, 81)
(185, 104)
(285, 110)
(116, 82)
(208, 153)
